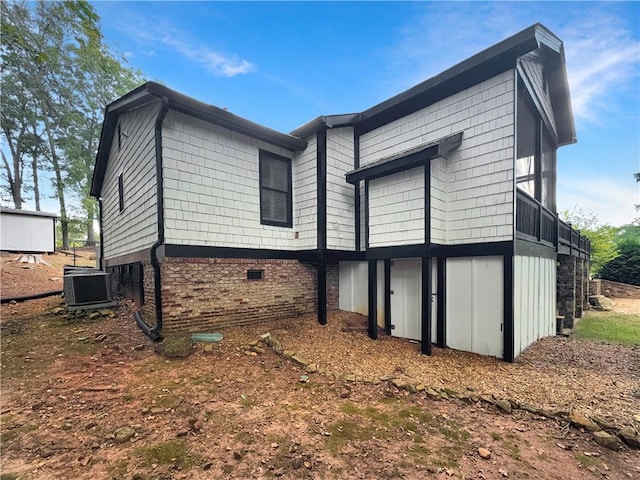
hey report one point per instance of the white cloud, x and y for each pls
(612, 202)
(601, 56)
(164, 33)
(216, 63)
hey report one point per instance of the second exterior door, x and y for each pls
(406, 299)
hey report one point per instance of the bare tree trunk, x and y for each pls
(91, 236)
(59, 185)
(34, 173)
(64, 220)
(14, 171)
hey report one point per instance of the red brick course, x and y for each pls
(209, 293)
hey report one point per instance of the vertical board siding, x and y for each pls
(474, 310)
(353, 287)
(396, 209)
(134, 228)
(475, 184)
(340, 207)
(535, 300)
(212, 189)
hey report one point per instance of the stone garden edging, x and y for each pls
(603, 432)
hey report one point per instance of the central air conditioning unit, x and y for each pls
(85, 290)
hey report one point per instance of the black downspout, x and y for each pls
(155, 332)
(442, 303)
(101, 266)
(321, 184)
(427, 286)
(357, 207)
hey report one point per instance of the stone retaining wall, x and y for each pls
(613, 289)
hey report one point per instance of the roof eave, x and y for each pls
(328, 121)
(151, 91)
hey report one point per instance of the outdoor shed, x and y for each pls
(26, 231)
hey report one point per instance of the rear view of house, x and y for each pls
(433, 212)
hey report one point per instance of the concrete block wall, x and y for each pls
(201, 294)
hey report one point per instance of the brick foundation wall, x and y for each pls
(148, 291)
(613, 289)
(207, 293)
(333, 287)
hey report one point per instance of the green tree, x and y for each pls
(625, 268)
(637, 177)
(105, 79)
(59, 76)
(602, 237)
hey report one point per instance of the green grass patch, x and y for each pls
(345, 431)
(8, 436)
(118, 469)
(9, 476)
(585, 460)
(609, 327)
(172, 452)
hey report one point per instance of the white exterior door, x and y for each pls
(406, 299)
(475, 305)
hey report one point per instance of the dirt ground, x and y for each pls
(22, 279)
(69, 385)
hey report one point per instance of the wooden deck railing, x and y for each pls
(536, 223)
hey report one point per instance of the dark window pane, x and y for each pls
(548, 165)
(526, 144)
(275, 190)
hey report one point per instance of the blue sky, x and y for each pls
(282, 64)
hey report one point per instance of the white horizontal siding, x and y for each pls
(136, 227)
(439, 189)
(535, 300)
(474, 197)
(396, 209)
(305, 196)
(211, 187)
(340, 194)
